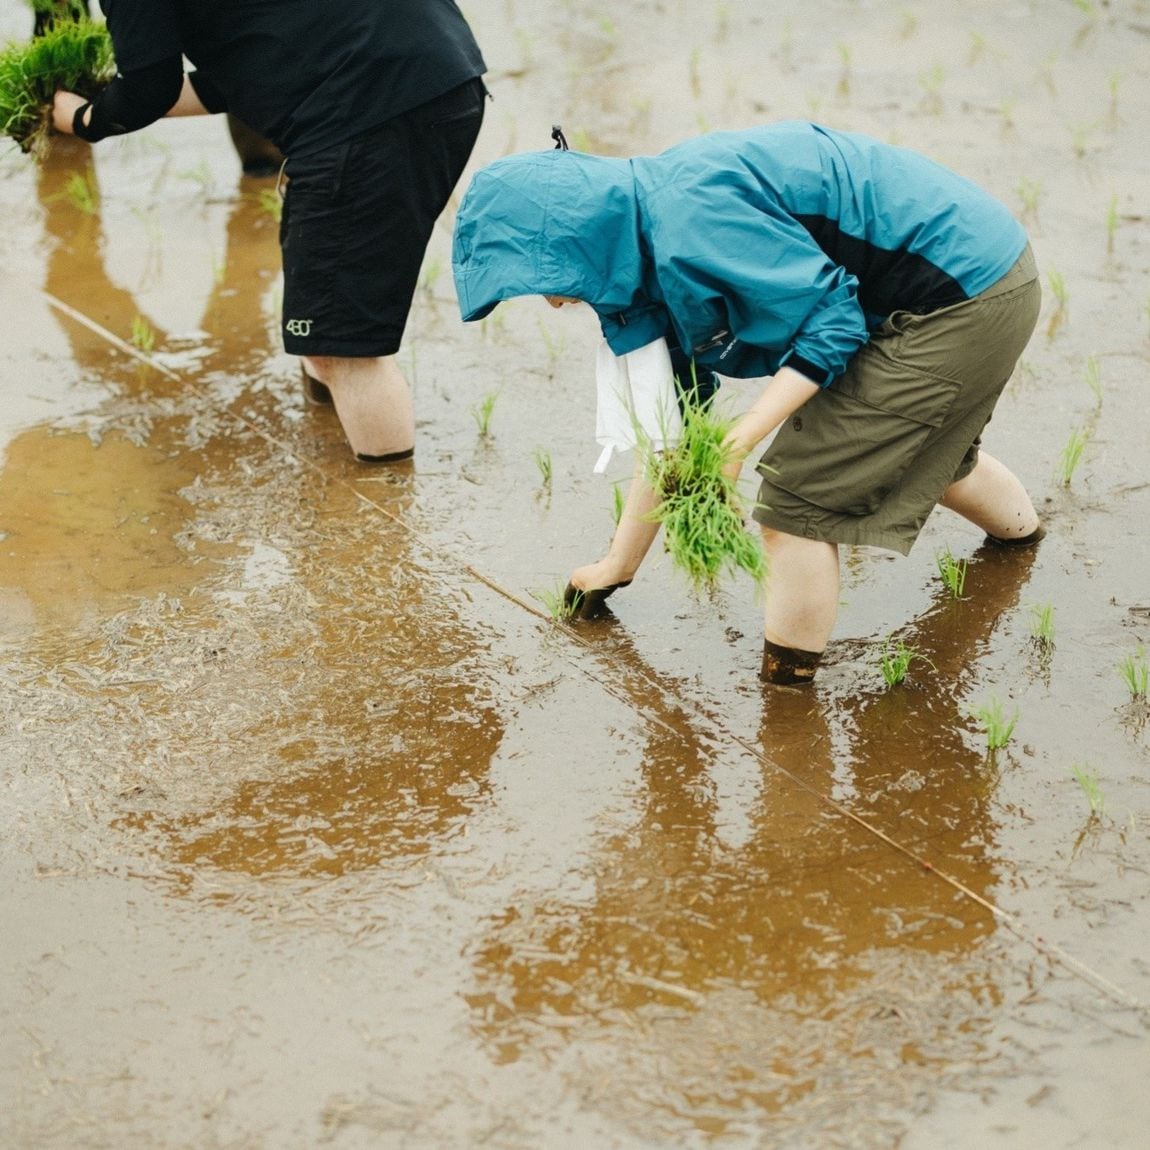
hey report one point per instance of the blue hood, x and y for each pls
(548, 223)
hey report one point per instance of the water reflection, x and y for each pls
(370, 726)
(86, 528)
(813, 952)
(93, 520)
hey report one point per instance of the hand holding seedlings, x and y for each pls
(712, 248)
(72, 55)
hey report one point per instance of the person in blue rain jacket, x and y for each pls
(886, 298)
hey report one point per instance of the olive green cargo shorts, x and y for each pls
(866, 460)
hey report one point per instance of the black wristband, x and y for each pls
(79, 128)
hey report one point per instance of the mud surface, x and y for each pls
(316, 830)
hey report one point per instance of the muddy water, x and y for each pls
(315, 830)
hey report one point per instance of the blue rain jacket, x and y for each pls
(787, 243)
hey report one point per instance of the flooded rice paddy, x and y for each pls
(315, 829)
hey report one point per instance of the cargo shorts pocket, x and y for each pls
(848, 447)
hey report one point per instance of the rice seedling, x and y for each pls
(1029, 192)
(75, 55)
(143, 337)
(1112, 111)
(895, 660)
(843, 87)
(556, 603)
(482, 412)
(997, 728)
(952, 572)
(431, 274)
(52, 10)
(526, 50)
(271, 202)
(699, 508)
(977, 48)
(908, 24)
(931, 83)
(1094, 379)
(82, 192)
(785, 46)
(1042, 626)
(1086, 7)
(1006, 111)
(693, 73)
(1061, 302)
(543, 462)
(1091, 788)
(722, 21)
(556, 345)
(1080, 139)
(1135, 672)
(201, 176)
(1111, 224)
(618, 502)
(1072, 456)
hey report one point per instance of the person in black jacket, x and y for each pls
(376, 107)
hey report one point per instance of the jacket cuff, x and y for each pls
(82, 130)
(816, 374)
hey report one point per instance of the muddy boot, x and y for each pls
(259, 157)
(1021, 541)
(314, 391)
(788, 666)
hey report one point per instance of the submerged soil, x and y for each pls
(315, 829)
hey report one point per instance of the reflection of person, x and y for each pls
(377, 108)
(801, 925)
(888, 298)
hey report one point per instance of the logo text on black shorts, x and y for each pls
(298, 327)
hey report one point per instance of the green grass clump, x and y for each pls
(74, 56)
(952, 572)
(895, 660)
(555, 600)
(995, 725)
(1091, 787)
(1135, 672)
(482, 412)
(700, 509)
(1042, 626)
(1072, 455)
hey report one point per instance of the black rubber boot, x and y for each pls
(1021, 541)
(788, 666)
(314, 391)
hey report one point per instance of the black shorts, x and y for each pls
(357, 218)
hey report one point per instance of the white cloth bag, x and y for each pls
(635, 398)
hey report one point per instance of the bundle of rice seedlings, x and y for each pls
(72, 55)
(700, 509)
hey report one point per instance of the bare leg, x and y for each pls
(992, 498)
(802, 591)
(373, 403)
